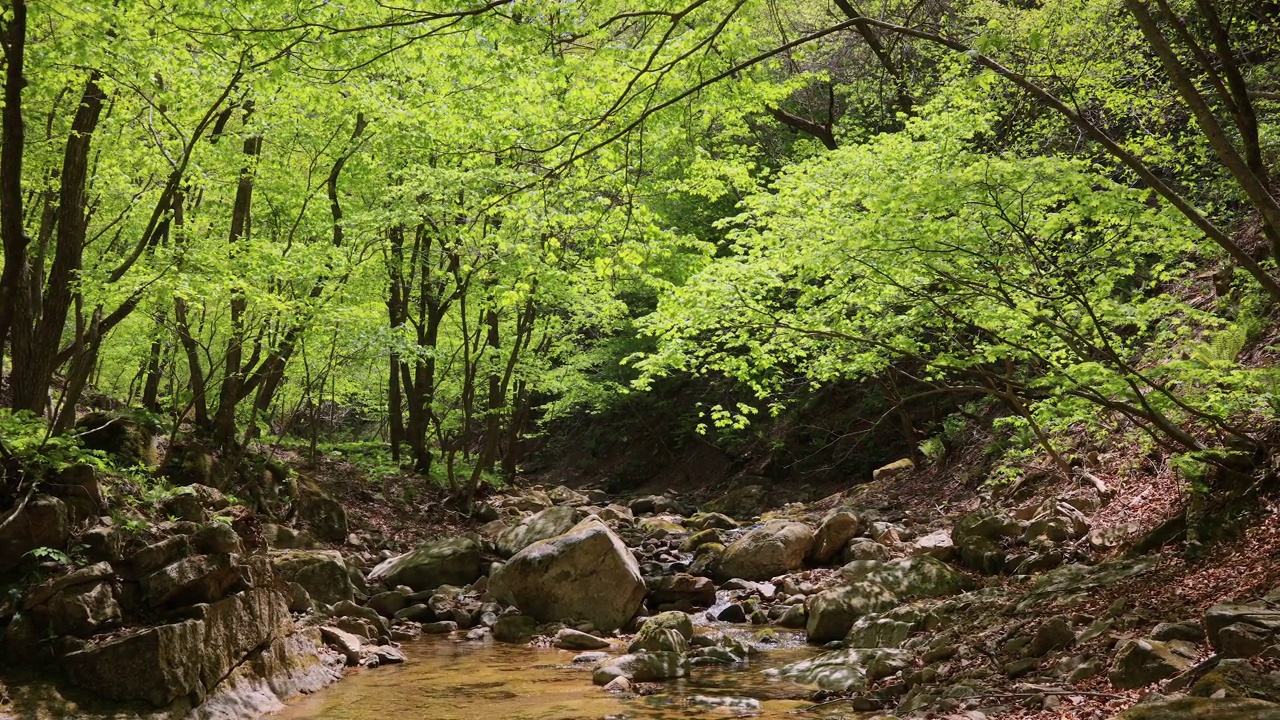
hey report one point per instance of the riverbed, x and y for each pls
(450, 678)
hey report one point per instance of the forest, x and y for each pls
(488, 240)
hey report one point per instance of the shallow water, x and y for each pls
(451, 679)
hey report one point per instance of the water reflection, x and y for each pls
(452, 679)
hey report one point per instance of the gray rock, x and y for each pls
(833, 612)
(451, 561)
(1196, 708)
(846, 671)
(388, 603)
(570, 639)
(774, 548)
(320, 513)
(545, 524)
(1139, 663)
(664, 632)
(835, 531)
(1055, 633)
(861, 548)
(322, 573)
(585, 574)
(697, 591)
(195, 579)
(42, 522)
(921, 576)
(515, 628)
(642, 667)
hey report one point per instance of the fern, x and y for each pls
(1224, 346)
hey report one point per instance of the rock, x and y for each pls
(886, 534)
(153, 557)
(937, 544)
(615, 513)
(570, 639)
(347, 608)
(1102, 539)
(129, 442)
(794, 617)
(872, 631)
(921, 576)
(279, 537)
(440, 627)
(831, 613)
(982, 555)
(700, 538)
(78, 487)
(668, 632)
(451, 561)
(102, 543)
(183, 659)
(656, 504)
(774, 548)
(320, 513)
(217, 538)
(183, 505)
(1241, 630)
(515, 628)
(584, 574)
(1055, 633)
(532, 501)
(1238, 678)
(1139, 663)
(835, 531)
(388, 603)
(561, 495)
(545, 524)
(682, 587)
(642, 667)
(711, 521)
(893, 469)
(349, 644)
(84, 609)
(42, 522)
(846, 671)
(1194, 708)
(322, 573)
(985, 525)
(861, 548)
(732, 613)
(191, 580)
(1189, 631)
(619, 684)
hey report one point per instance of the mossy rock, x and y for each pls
(127, 439)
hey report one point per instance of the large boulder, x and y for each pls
(451, 561)
(831, 613)
(835, 531)
(322, 573)
(194, 579)
(320, 513)
(1139, 663)
(184, 659)
(41, 523)
(584, 574)
(1242, 630)
(1197, 708)
(775, 548)
(920, 576)
(846, 671)
(664, 632)
(542, 525)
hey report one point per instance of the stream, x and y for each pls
(449, 678)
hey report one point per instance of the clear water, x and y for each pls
(452, 679)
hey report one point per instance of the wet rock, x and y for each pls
(835, 531)
(545, 524)
(732, 613)
(682, 587)
(585, 574)
(451, 561)
(664, 632)
(322, 573)
(42, 522)
(833, 612)
(642, 667)
(774, 548)
(515, 628)
(440, 627)
(921, 576)
(619, 684)
(1139, 663)
(570, 639)
(846, 671)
